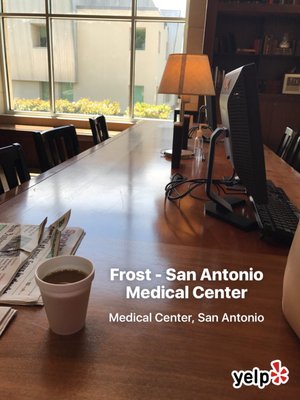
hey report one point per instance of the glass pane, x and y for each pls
(45, 92)
(161, 39)
(27, 63)
(138, 94)
(85, 63)
(24, 6)
(92, 7)
(162, 8)
(66, 91)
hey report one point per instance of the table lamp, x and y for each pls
(185, 75)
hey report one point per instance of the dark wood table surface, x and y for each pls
(116, 193)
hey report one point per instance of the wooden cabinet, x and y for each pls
(278, 112)
(242, 32)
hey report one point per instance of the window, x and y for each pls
(66, 91)
(43, 36)
(87, 65)
(45, 91)
(140, 38)
(138, 94)
(39, 35)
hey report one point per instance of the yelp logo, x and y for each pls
(278, 375)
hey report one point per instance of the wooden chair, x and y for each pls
(286, 143)
(56, 145)
(14, 167)
(99, 129)
(294, 154)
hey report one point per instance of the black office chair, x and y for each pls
(286, 143)
(14, 167)
(56, 145)
(99, 129)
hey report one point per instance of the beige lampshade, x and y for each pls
(187, 74)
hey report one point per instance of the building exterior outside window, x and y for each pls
(72, 56)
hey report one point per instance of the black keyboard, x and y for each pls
(278, 219)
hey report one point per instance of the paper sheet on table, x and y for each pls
(6, 315)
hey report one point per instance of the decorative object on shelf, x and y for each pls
(271, 45)
(225, 44)
(285, 43)
(291, 84)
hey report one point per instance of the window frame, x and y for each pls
(48, 16)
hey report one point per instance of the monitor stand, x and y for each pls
(223, 207)
(239, 221)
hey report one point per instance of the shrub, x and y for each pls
(65, 106)
(87, 106)
(145, 110)
(82, 106)
(31, 105)
(106, 107)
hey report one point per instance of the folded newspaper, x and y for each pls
(23, 248)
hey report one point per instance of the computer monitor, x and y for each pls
(240, 114)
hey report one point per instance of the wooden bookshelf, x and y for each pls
(242, 32)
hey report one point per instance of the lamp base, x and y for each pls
(177, 145)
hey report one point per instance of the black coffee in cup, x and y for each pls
(64, 276)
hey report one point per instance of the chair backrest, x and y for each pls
(99, 128)
(285, 143)
(14, 167)
(56, 145)
(294, 155)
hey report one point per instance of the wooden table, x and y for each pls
(116, 193)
